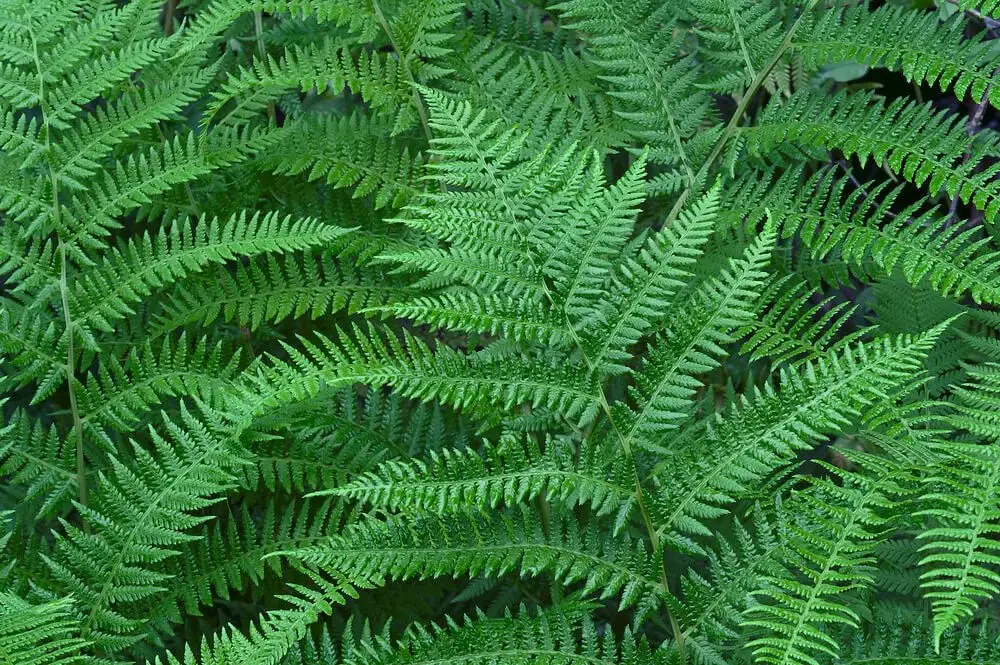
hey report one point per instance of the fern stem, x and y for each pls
(168, 17)
(733, 125)
(647, 522)
(258, 30)
(405, 64)
(81, 458)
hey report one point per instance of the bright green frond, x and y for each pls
(833, 528)
(509, 474)
(691, 344)
(40, 633)
(473, 543)
(926, 146)
(765, 430)
(106, 293)
(913, 42)
(140, 514)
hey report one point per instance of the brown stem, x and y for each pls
(168, 17)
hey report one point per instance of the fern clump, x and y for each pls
(489, 331)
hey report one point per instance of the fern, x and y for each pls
(39, 633)
(413, 331)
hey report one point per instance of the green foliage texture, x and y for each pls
(475, 332)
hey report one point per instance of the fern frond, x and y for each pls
(585, 262)
(564, 634)
(139, 515)
(466, 381)
(232, 554)
(350, 151)
(913, 42)
(963, 495)
(38, 462)
(120, 391)
(646, 283)
(105, 294)
(710, 609)
(894, 643)
(132, 182)
(30, 343)
(861, 226)
(770, 425)
(925, 146)
(691, 344)
(830, 545)
(44, 633)
(380, 81)
(639, 54)
(269, 289)
(736, 38)
(332, 440)
(80, 153)
(512, 473)
(519, 320)
(472, 543)
(276, 632)
(798, 325)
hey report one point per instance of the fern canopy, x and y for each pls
(580, 332)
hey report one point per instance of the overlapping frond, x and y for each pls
(563, 634)
(471, 543)
(509, 474)
(472, 381)
(830, 215)
(40, 633)
(639, 55)
(106, 293)
(691, 344)
(910, 41)
(142, 511)
(765, 430)
(829, 549)
(925, 146)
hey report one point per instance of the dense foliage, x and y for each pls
(645, 332)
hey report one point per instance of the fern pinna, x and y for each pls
(489, 331)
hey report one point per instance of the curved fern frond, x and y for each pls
(512, 473)
(119, 392)
(925, 146)
(105, 294)
(231, 555)
(379, 79)
(913, 42)
(467, 381)
(275, 632)
(45, 633)
(473, 543)
(270, 289)
(798, 326)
